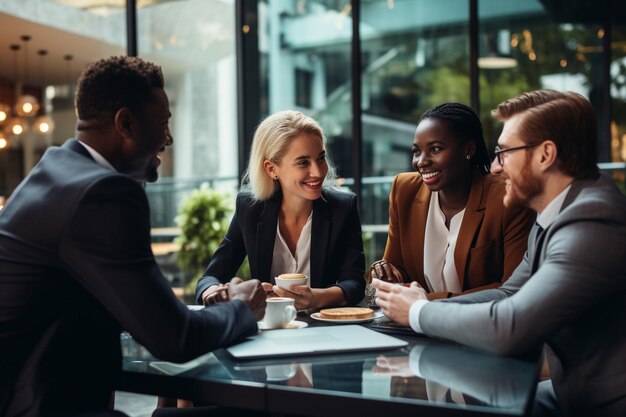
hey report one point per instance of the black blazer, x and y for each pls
(76, 267)
(336, 244)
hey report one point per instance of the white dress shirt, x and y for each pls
(439, 244)
(545, 219)
(283, 262)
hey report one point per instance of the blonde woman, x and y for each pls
(289, 221)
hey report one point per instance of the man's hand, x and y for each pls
(251, 292)
(396, 300)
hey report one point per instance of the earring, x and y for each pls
(468, 156)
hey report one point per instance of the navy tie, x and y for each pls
(538, 232)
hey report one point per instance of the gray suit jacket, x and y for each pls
(76, 268)
(569, 292)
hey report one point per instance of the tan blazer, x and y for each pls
(491, 242)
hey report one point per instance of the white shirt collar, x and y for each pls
(97, 157)
(549, 214)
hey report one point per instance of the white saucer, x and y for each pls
(377, 315)
(294, 324)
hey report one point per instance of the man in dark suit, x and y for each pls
(569, 292)
(76, 265)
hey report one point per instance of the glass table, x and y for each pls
(428, 376)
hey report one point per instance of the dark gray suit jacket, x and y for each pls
(569, 292)
(75, 268)
(336, 244)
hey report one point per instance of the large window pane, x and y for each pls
(536, 44)
(618, 89)
(304, 49)
(415, 55)
(194, 42)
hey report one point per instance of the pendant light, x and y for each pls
(44, 124)
(15, 125)
(5, 110)
(26, 104)
(4, 141)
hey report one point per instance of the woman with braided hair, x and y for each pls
(448, 228)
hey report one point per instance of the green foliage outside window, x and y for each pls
(203, 219)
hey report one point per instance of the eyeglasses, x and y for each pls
(500, 151)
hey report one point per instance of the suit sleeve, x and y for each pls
(393, 248)
(352, 270)
(106, 247)
(573, 278)
(227, 258)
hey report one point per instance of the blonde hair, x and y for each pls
(270, 142)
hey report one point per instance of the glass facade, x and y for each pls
(230, 63)
(528, 45)
(618, 93)
(194, 42)
(304, 53)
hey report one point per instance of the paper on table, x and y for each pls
(170, 368)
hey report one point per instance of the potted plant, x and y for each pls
(203, 219)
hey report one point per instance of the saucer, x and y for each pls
(294, 324)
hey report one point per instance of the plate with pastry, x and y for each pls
(347, 315)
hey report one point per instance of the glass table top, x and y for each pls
(427, 373)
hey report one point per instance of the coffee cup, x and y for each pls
(278, 312)
(286, 281)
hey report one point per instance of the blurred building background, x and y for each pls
(365, 69)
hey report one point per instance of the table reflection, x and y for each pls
(457, 375)
(427, 374)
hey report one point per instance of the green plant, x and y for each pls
(203, 219)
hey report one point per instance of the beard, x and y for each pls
(520, 192)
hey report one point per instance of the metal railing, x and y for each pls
(166, 196)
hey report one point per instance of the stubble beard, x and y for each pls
(521, 193)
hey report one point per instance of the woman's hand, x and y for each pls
(304, 297)
(385, 271)
(215, 294)
(268, 288)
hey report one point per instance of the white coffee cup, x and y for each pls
(286, 281)
(279, 311)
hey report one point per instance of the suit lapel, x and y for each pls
(266, 235)
(536, 241)
(320, 232)
(472, 219)
(419, 214)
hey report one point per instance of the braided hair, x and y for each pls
(463, 122)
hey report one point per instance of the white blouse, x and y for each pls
(283, 262)
(439, 244)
